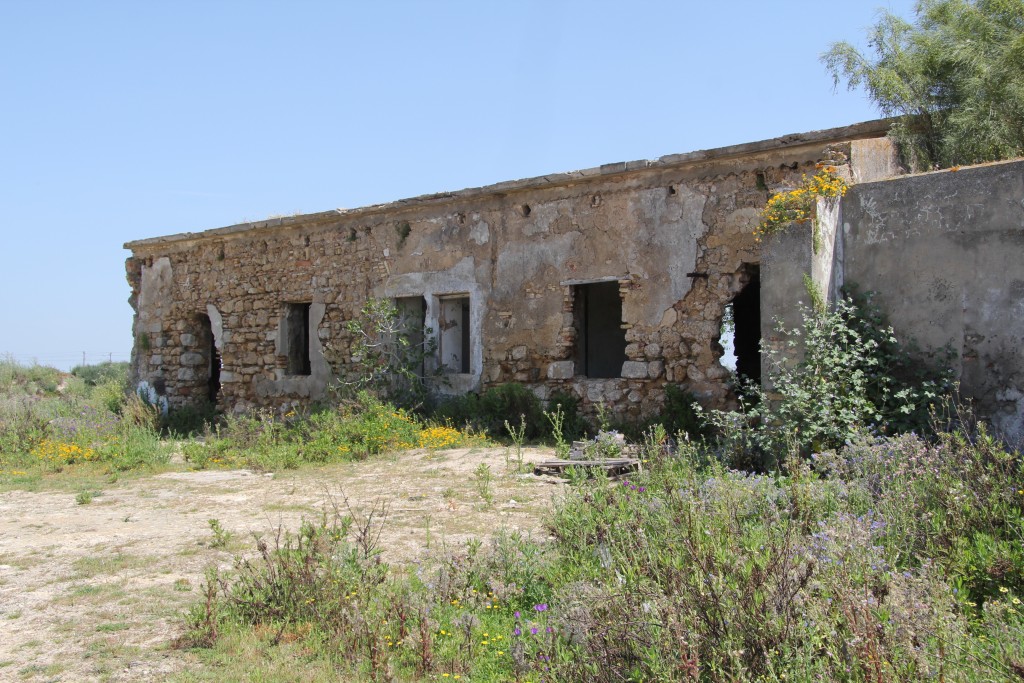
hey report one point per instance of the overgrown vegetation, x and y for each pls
(797, 205)
(894, 558)
(52, 421)
(852, 377)
(955, 77)
(862, 555)
(354, 430)
(841, 528)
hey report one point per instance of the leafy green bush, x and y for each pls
(190, 420)
(488, 411)
(853, 376)
(35, 379)
(679, 416)
(461, 409)
(101, 373)
(508, 402)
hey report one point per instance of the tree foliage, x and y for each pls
(388, 356)
(955, 79)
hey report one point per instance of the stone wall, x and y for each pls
(674, 235)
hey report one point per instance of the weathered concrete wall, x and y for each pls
(945, 253)
(804, 254)
(675, 234)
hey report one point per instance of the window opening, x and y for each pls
(600, 340)
(454, 337)
(411, 322)
(296, 331)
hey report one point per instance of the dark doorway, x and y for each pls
(208, 346)
(297, 339)
(600, 339)
(746, 311)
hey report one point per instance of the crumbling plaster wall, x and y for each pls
(945, 253)
(675, 234)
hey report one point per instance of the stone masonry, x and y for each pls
(518, 280)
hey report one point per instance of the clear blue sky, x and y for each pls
(124, 120)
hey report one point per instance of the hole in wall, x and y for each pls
(595, 200)
(671, 190)
(524, 210)
(741, 329)
(207, 346)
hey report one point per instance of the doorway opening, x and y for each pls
(208, 347)
(600, 340)
(454, 323)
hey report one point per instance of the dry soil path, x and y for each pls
(96, 591)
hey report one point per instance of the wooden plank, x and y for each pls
(613, 466)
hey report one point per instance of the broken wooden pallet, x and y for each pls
(613, 466)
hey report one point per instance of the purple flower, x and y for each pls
(516, 615)
(533, 630)
(517, 631)
(542, 607)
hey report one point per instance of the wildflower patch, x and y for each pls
(797, 205)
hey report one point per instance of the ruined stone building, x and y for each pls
(609, 283)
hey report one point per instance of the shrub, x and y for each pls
(190, 420)
(679, 416)
(101, 373)
(853, 376)
(462, 410)
(388, 355)
(506, 401)
(488, 412)
(35, 379)
(894, 559)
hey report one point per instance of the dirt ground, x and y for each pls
(96, 591)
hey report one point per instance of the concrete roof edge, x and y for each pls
(866, 129)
